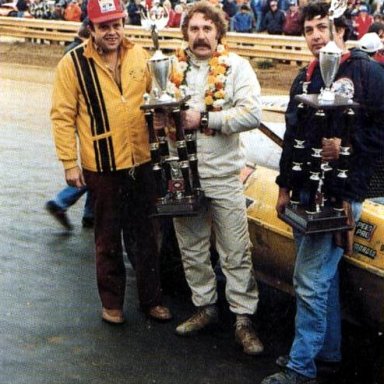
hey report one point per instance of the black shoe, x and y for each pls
(324, 368)
(59, 214)
(282, 361)
(288, 376)
(87, 222)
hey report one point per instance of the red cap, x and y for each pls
(100, 11)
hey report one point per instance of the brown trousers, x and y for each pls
(122, 203)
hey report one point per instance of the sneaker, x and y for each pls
(201, 319)
(246, 336)
(288, 376)
(87, 222)
(59, 214)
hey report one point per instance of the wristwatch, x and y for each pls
(203, 120)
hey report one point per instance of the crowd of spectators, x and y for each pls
(275, 17)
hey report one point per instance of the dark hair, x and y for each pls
(210, 12)
(315, 9)
(312, 10)
(376, 27)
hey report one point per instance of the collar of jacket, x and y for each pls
(194, 60)
(91, 52)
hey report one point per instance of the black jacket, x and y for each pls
(368, 134)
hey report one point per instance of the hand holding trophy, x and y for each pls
(177, 180)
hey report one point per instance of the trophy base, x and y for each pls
(315, 101)
(327, 220)
(158, 103)
(176, 207)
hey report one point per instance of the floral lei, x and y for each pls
(217, 76)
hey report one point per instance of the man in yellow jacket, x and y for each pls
(98, 90)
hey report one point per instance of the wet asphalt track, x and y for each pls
(50, 327)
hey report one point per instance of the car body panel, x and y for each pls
(362, 274)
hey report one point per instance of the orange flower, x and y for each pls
(177, 78)
(181, 55)
(211, 79)
(219, 85)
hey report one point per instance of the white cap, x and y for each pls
(370, 43)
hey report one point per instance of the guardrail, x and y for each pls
(258, 45)
(252, 45)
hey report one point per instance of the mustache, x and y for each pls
(200, 43)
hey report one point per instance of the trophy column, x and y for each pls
(323, 212)
(176, 194)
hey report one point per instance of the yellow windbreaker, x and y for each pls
(108, 121)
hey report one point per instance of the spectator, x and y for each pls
(68, 196)
(72, 12)
(134, 12)
(40, 9)
(292, 24)
(378, 18)
(22, 6)
(175, 17)
(378, 28)
(363, 21)
(259, 10)
(274, 19)
(83, 7)
(230, 8)
(370, 43)
(243, 20)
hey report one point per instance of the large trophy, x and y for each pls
(178, 189)
(322, 212)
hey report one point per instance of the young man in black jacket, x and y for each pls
(317, 324)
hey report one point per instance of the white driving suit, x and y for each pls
(219, 163)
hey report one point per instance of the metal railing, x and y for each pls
(252, 45)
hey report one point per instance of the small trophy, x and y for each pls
(178, 189)
(322, 212)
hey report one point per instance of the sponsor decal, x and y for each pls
(107, 6)
(364, 250)
(364, 230)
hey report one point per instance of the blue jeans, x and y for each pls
(69, 196)
(316, 283)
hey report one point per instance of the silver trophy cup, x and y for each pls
(329, 65)
(160, 66)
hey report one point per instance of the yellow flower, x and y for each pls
(208, 100)
(221, 69)
(213, 62)
(219, 94)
